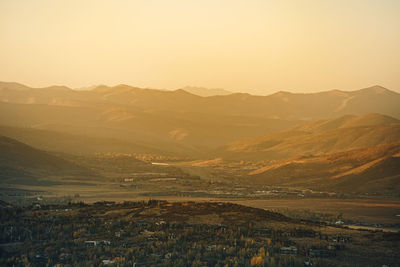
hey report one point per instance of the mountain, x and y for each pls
(23, 164)
(152, 129)
(53, 95)
(205, 92)
(375, 99)
(373, 170)
(175, 122)
(73, 144)
(281, 105)
(317, 138)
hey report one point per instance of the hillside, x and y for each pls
(374, 170)
(23, 164)
(153, 131)
(57, 141)
(318, 138)
(178, 122)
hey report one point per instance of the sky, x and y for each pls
(253, 46)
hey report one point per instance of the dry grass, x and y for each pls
(367, 210)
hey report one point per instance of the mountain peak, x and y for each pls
(117, 88)
(13, 86)
(201, 91)
(282, 93)
(377, 89)
(59, 88)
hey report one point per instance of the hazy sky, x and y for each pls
(255, 46)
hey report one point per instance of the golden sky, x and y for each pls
(255, 46)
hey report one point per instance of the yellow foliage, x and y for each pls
(257, 261)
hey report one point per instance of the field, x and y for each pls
(367, 211)
(374, 211)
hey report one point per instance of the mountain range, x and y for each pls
(281, 105)
(333, 140)
(172, 122)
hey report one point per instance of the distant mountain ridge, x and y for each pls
(282, 105)
(178, 122)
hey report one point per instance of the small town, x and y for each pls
(158, 233)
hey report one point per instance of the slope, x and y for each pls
(23, 164)
(317, 138)
(181, 133)
(374, 170)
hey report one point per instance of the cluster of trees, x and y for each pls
(58, 234)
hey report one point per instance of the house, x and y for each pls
(96, 243)
(118, 233)
(107, 262)
(40, 259)
(321, 253)
(168, 255)
(171, 236)
(307, 263)
(212, 247)
(91, 243)
(288, 250)
(64, 257)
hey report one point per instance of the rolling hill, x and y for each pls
(317, 138)
(23, 164)
(373, 170)
(178, 122)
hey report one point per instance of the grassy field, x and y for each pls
(365, 210)
(369, 210)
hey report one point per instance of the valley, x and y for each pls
(113, 145)
(199, 133)
(122, 177)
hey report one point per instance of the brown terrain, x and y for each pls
(283, 151)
